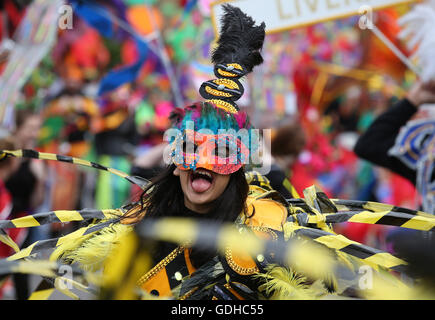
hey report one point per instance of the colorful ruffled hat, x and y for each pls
(219, 134)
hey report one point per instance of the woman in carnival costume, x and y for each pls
(208, 229)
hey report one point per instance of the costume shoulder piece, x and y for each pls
(266, 214)
(265, 206)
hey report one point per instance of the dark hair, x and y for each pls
(6, 144)
(288, 140)
(164, 198)
(22, 115)
(167, 198)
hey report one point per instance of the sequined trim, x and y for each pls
(188, 294)
(217, 92)
(162, 264)
(227, 82)
(226, 74)
(236, 267)
(224, 105)
(267, 230)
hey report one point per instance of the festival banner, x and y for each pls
(32, 41)
(280, 15)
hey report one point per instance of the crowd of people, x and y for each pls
(356, 140)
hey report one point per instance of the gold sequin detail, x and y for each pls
(235, 65)
(217, 92)
(226, 74)
(162, 264)
(236, 267)
(227, 82)
(266, 230)
(188, 294)
(229, 73)
(224, 105)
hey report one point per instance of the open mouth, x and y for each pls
(201, 180)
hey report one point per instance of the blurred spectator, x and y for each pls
(7, 167)
(11, 13)
(287, 143)
(375, 144)
(27, 184)
(389, 143)
(152, 120)
(150, 163)
(344, 111)
(115, 143)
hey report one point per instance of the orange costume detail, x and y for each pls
(263, 217)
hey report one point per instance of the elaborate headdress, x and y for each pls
(237, 53)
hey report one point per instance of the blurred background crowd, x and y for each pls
(104, 89)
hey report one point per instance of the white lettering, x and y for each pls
(188, 310)
(366, 280)
(66, 18)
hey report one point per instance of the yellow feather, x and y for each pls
(285, 284)
(91, 253)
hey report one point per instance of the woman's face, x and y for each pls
(27, 133)
(201, 187)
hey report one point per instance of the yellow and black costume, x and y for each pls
(275, 249)
(281, 249)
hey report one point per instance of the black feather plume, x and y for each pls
(240, 40)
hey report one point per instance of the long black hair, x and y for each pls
(164, 197)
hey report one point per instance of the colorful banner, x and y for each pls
(282, 15)
(33, 40)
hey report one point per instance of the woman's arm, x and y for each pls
(375, 143)
(38, 169)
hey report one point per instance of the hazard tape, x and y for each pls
(367, 212)
(123, 266)
(50, 244)
(214, 236)
(255, 178)
(61, 216)
(366, 254)
(63, 284)
(7, 240)
(390, 218)
(37, 267)
(290, 188)
(43, 291)
(316, 209)
(141, 182)
(375, 206)
(47, 287)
